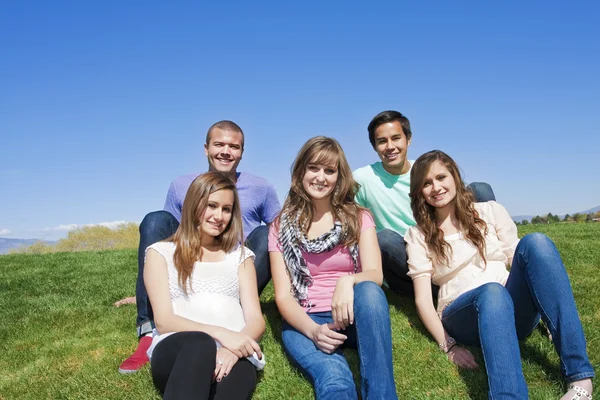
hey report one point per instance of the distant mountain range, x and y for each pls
(520, 218)
(7, 244)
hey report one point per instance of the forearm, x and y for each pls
(432, 322)
(296, 316)
(255, 328)
(369, 276)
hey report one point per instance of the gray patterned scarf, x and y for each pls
(293, 242)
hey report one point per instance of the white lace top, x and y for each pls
(213, 292)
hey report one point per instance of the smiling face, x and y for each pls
(439, 186)
(391, 146)
(217, 213)
(224, 150)
(319, 180)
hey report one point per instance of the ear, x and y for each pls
(206, 149)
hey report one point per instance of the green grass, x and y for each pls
(61, 338)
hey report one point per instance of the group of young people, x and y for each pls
(204, 260)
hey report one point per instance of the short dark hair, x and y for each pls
(224, 125)
(383, 118)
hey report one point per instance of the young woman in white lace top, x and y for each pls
(202, 286)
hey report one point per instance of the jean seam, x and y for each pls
(580, 376)
(541, 307)
(358, 347)
(491, 397)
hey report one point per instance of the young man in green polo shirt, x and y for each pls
(385, 188)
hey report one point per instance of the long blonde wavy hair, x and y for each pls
(472, 227)
(325, 151)
(188, 237)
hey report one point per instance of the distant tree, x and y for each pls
(597, 215)
(536, 220)
(552, 219)
(588, 217)
(567, 218)
(579, 217)
(524, 222)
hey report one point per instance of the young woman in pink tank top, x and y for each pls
(326, 269)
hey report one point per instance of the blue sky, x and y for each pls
(103, 103)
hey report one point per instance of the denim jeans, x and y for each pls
(160, 225)
(155, 227)
(496, 318)
(393, 249)
(370, 334)
(258, 242)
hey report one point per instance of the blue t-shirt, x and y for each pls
(258, 199)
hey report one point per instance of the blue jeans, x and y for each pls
(160, 225)
(496, 318)
(155, 227)
(370, 334)
(393, 249)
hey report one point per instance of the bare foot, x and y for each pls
(126, 300)
(583, 393)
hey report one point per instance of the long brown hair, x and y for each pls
(326, 151)
(188, 237)
(472, 227)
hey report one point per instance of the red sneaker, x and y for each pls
(138, 359)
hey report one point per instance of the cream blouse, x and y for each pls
(466, 269)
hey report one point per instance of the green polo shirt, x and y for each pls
(386, 196)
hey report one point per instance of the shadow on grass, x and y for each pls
(475, 380)
(532, 353)
(406, 305)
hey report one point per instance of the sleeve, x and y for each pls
(506, 229)
(171, 203)
(274, 245)
(271, 206)
(366, 221)
(419, 263)
(244, 254)
(360, 195)
(165, 249)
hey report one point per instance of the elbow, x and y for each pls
(161, 325)
(377, 278)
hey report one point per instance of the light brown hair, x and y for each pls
(188, 237)
(325, 151)
(472, 227)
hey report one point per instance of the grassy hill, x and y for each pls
(60, 336)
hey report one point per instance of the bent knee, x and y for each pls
(535, 239)
(155, 221)
(494, 298)
(369, 294)
(200, 342)
(389, 239)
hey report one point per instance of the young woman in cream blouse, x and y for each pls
(465, 248)
(202, 286)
